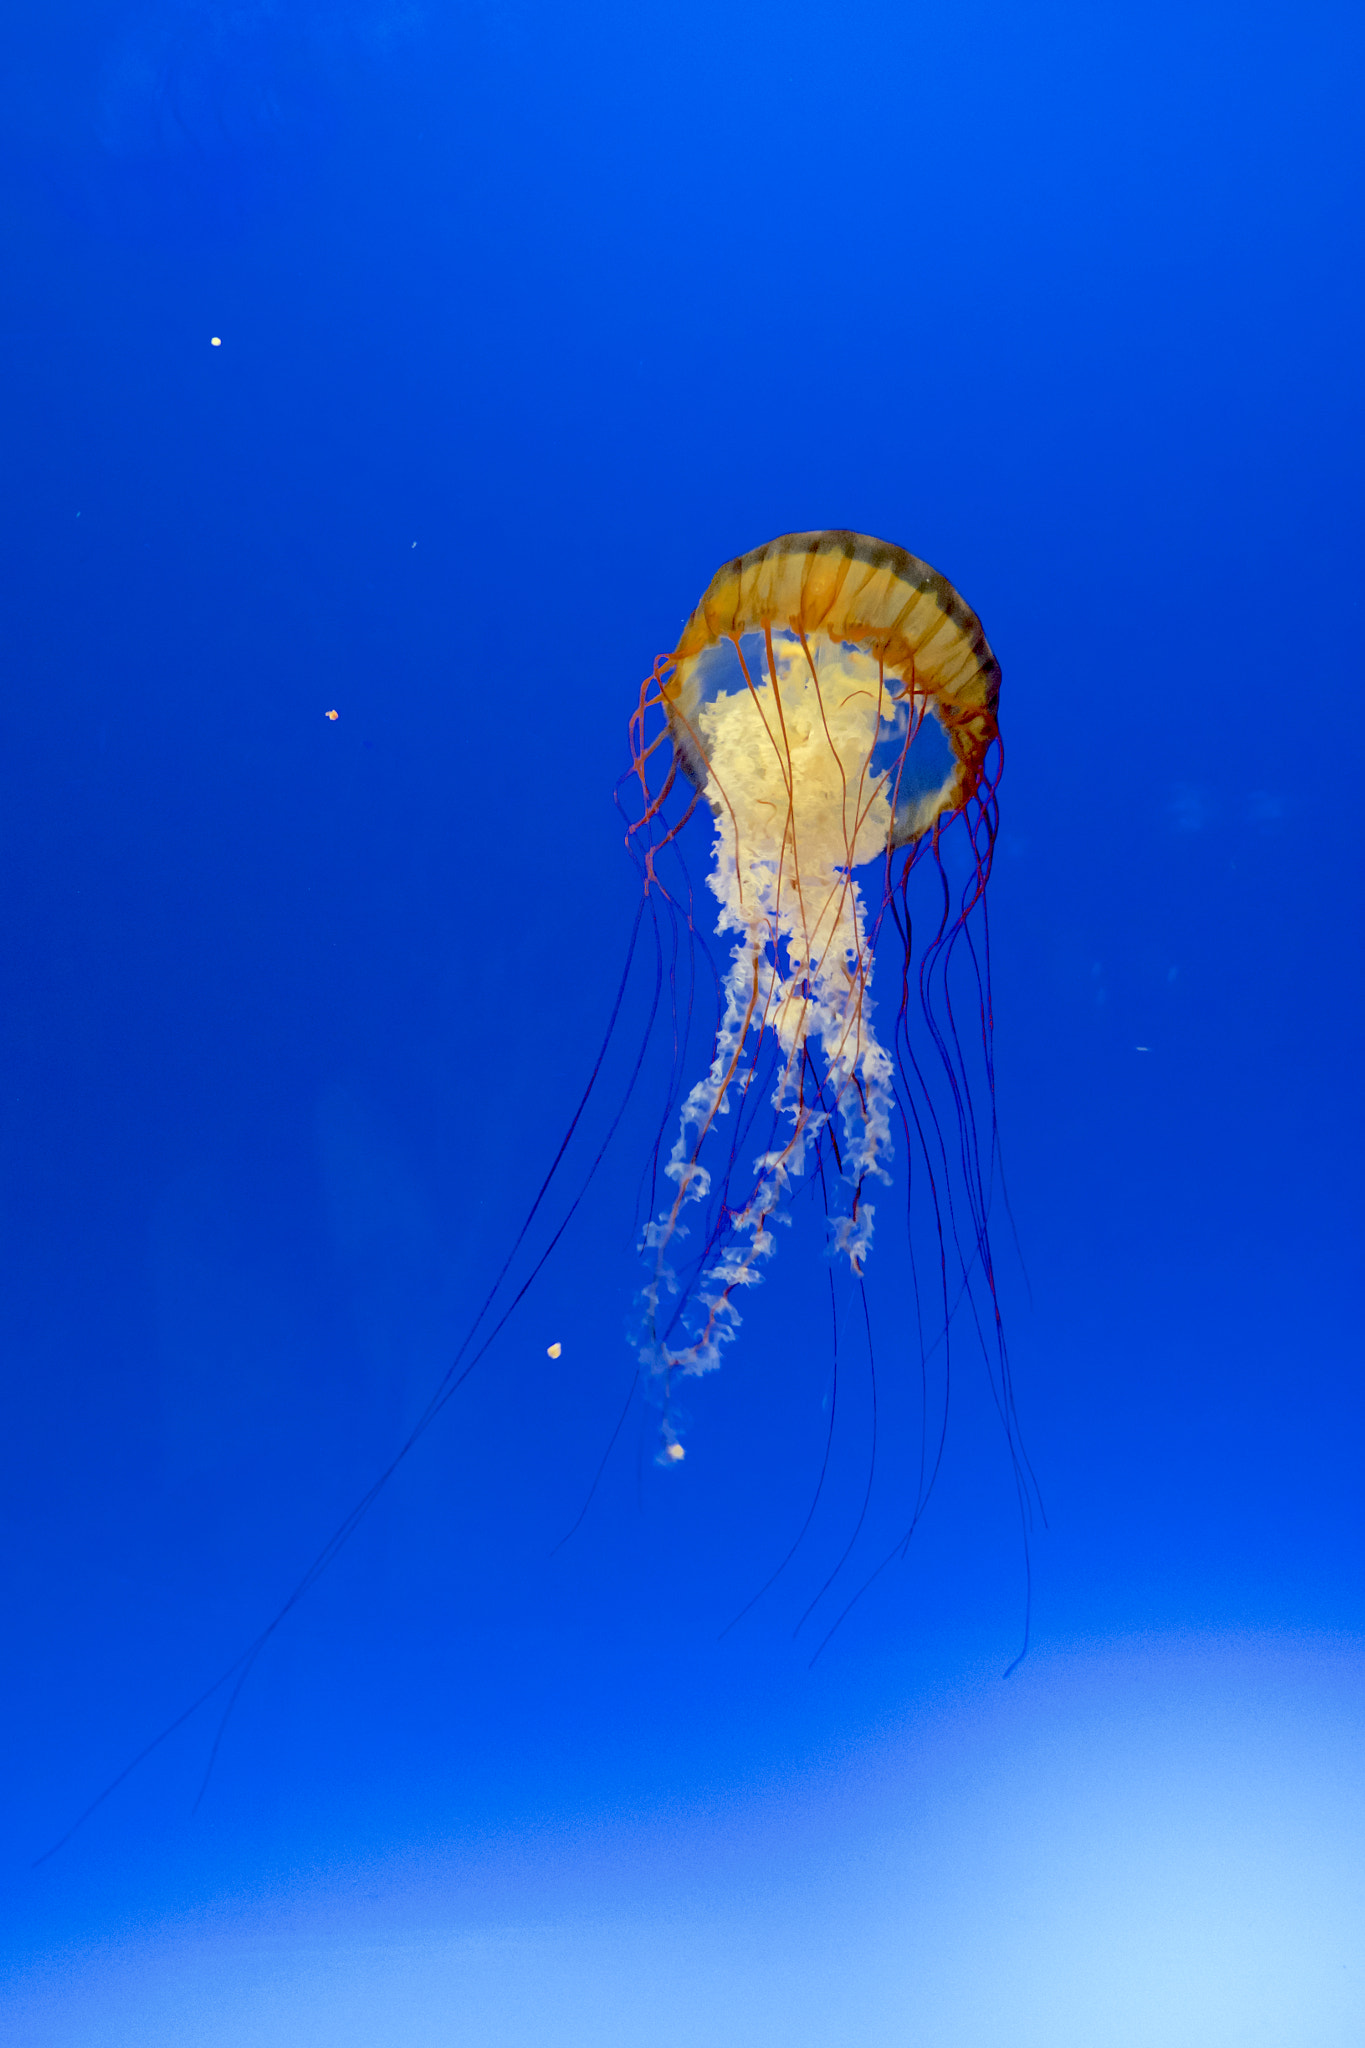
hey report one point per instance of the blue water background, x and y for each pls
(527, 319)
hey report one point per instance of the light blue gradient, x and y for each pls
(1141, 1842)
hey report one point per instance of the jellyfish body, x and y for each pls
(833, 701)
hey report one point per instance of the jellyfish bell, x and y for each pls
(833, 699)
(843, 596)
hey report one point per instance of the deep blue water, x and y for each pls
(527, 319)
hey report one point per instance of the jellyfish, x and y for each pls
(832, 700)
(832, 704)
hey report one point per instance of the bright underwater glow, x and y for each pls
(1150, 1845)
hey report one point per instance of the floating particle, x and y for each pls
(215, 341)
(553, 1350)
(333, 715)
